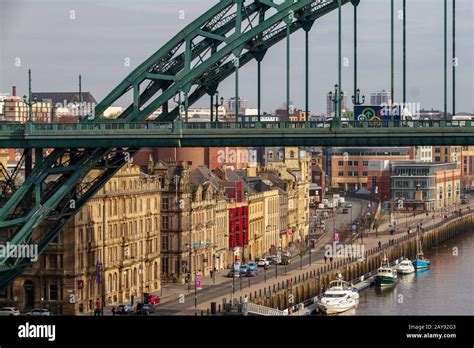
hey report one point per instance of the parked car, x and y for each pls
(285, 260)
(154, 299)
(233, 274)
(251, 273)
(271, 259)
(144, 307)
(345, 210)
(253, 266)
(263, 262)
(244, 268)
(141, 311)
(348, 205)
(39, 312)
(124, 309)
(9, 311)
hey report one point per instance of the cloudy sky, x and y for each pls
(58, 39)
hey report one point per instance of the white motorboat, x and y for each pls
(339, 297)
(405, 267)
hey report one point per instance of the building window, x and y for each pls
(356, 163)
(340, 163)
(165, 243)
(52, 262)
(165, 222)
(437, 159)
(53, 292)
(165, 204)
(164, 265)
(340, 173)
(365, 163)
(364, 173)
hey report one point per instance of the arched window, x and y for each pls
(135, 279)
(109, 282)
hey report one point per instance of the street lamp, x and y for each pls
(356, 98)
(29, 101)
(188, 268)
(217, 105)
(267, 229)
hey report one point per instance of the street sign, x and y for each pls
(199, 282)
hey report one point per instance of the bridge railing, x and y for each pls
(176, 126)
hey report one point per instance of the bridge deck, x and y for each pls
(195, 134)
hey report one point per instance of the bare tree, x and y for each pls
(299, 248)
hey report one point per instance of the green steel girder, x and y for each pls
(169, 70)
(175, 65)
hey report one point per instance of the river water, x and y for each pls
(447, 288)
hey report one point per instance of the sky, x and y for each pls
(60, 39)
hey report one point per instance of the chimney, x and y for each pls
(13, 91)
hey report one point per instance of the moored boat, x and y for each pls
(386, 275)
(420, 262)
(339, 297)
(405, 267)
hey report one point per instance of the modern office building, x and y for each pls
(425, 186)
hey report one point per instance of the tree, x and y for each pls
(299, 248)
(376, 226)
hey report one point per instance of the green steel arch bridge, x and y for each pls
(191, 65)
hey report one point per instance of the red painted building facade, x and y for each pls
(238, 218)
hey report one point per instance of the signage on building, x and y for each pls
(80, 284)
(375, 114)
(199, 282)
(336, 237)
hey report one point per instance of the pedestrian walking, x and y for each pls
(330, 259)
(113, 311)
(380, 245)
(414, 214)
(97, 307)
(325, 259)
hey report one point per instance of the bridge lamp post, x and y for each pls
(237, 104)
(217, 105)
(455, 62)
(356, 96)
(339, 60)
(356, 99)
(178, 100)
(336, 99)
(288, 21)
(445, 61)
(29, 101)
